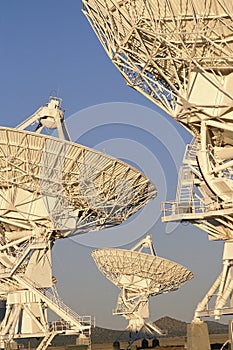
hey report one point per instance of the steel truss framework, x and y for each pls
(51, 188)
(179, 54)
(162, 48)
(76, 189)
(139, 273)
(197, 204)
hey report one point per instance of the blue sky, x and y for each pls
(48, 47)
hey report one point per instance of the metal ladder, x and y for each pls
(56, 304)
(185, 187)
(191, 152)
(184, 193)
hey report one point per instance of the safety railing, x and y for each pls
(178, 209)
(191, 151)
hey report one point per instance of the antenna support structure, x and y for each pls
(179, 55)
(52, 188)
(139, 273)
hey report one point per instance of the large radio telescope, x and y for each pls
(52, 188)
(179, 54)
(139, 273)
(168, 50)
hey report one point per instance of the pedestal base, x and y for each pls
(230, 330)
(198, 337)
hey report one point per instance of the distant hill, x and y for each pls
(173, 326)
(178, 328)
(103, 335)
(217, 328)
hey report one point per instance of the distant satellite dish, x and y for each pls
(139, 275)
(52, 188)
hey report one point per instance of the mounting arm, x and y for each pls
(49, 116)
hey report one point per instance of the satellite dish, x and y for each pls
(139, 273)
(179, 55)
(52, 188)
(52, 183)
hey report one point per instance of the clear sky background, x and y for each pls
(48, 47)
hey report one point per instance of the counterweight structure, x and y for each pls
(139, 273)
(52, 188)
(179, 54)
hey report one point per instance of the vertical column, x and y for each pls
(230, 330)
(198, 336)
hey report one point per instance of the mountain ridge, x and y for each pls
(174, 327)
(178, 328)
(100, 335)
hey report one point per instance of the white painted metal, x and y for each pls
(176, 53)
(51, 188)
(139, 273)
(179, 54)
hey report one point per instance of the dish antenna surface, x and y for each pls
(179, 54)
(139, 273)
(52, 188)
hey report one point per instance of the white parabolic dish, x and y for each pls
(179, 55)
(142, 272)
(176, 53)
(52, 188)
(63, 186)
